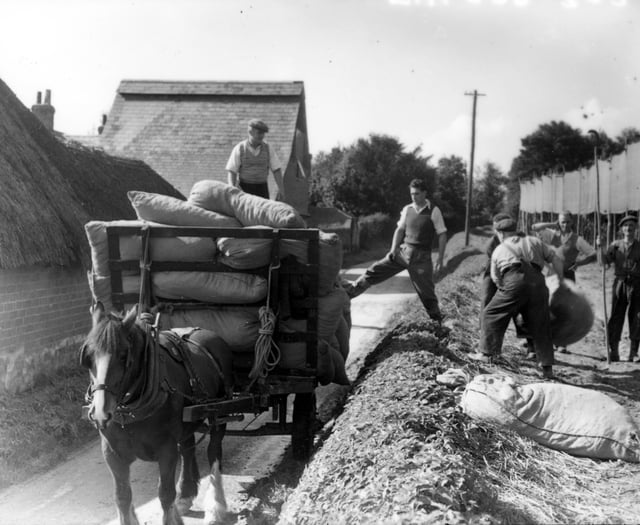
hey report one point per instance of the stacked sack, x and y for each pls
(255, 212)
(215, 204)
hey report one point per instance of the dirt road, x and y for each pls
(79, 491)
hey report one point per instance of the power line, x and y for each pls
(467, 220)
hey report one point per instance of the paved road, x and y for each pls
(79, 491)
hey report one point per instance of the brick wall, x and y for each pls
(44, 316)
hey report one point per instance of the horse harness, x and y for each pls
(177, 347)
(143, 395)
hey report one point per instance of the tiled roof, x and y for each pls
(159, 87)
(186, 130)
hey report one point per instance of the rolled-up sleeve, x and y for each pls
(438, 221)
(233, 164)
(274, 160)
(402, 221)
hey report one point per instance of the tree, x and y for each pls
(370, 176)
(452, 190)
(555, 146)
(489, 194)
(325, 165)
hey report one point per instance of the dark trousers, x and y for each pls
(418, 263)
(523, 291)
(261, 190)
(625, 298)
(489, 289)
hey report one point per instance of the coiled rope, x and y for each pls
(267, 352)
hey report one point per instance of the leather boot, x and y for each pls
(633, 350)
(614, 356)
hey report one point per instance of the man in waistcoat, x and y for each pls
(624, 254)
(420, 222)
(250, 162)
(516, 268)
(568, 246)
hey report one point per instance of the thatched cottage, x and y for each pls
(50, 189)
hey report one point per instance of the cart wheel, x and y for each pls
(304, 419)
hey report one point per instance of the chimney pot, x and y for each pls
(47, 96)
(39, 97)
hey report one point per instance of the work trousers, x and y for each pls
(417, 262)
(523, 291)
(625, 298)
(260, 189)
(489, 289)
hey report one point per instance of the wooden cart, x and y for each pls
(250, 397)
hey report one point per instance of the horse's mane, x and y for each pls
(104, 335)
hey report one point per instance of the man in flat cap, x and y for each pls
(573, 250)
(624, 254)
(420, 222)
(251, 160)
(489, 288)
(516, 268)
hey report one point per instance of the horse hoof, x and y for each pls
(215, 518)
(183, 505)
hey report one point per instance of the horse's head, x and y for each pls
(109, 354)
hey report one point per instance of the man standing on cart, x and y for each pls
(251, 161)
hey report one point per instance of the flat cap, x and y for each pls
(259, 125)
(506, 225)
(627, 218)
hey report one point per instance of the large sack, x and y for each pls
(237, 325)
(570, 312)
(329, 258)
(100, 287)
(244, 254)
(176, 212)
(213, 287)
(330, 309)
(576, 420)
(250, 210)
(161, 248)
(253, 253)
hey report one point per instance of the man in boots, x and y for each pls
(410, 250)
(624, 254)
(516, 268)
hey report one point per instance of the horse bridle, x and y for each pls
(125, 392)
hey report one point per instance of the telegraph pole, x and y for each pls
(467, 220)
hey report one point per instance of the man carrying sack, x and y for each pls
(568, 246)
(516, 268)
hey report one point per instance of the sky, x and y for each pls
(404, 68)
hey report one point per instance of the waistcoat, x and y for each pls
(419, 228)
(254, 168)
(567, 250)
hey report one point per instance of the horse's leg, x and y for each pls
(168, 461)
(120, 468)
(215, 503)
(189, 475)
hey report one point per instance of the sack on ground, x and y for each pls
(576, 420)
(175, 212)
(570, 312)
(250, 210)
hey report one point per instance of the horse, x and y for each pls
(140, 381)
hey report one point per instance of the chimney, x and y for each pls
(104, 123)
(45, 111)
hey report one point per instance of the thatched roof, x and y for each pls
(50, 189)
